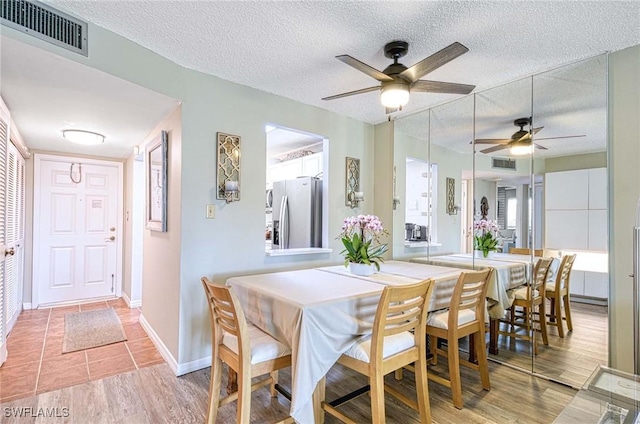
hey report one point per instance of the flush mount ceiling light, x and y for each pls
(87, 138)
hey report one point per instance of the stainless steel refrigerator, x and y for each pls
(297, 213)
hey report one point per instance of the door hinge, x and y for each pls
(112, 282)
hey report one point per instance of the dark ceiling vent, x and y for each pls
(503, 163)
(45, 22)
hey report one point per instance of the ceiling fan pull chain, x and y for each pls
(79, 173)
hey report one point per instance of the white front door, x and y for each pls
(77, 229)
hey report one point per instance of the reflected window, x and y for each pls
(512, 210)
(422, 201)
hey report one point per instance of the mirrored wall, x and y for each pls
(528, 160)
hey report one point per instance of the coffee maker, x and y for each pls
(415, 232)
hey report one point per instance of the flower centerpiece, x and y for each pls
(485, 236)
(362, 248)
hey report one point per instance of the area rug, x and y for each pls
(84, 330)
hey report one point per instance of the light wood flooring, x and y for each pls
(155, 395)
(571, 359)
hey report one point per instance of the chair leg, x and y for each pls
(558, 316)
(567, 312)
(274, 381)
(377, 397)
(542, 320)
(512, 314)
(244, 396)
(214, 388)
(434, 350)
(454, 372)
(422, 390)
(483, 364)
(552, 309)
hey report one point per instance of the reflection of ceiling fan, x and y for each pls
(397, 80)
(520, 142)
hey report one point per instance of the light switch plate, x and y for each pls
(211, 211)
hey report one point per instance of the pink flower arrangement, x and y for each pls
(485, 236)
(358, 234)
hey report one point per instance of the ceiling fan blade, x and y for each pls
(493, 141)
(494, 148)
(352, 93)
(540, 147)
(441, 87)
(536, 130)
(566, 136)
(433, 62)
(363, 67)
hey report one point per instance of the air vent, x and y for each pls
(502, 163)
(44, 22)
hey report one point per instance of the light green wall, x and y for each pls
(575, 162)
(383, 182)
(624, 191)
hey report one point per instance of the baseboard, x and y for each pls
(168, 357)
(26, 306)
(131, 303)
(192, 366)
(589, 300)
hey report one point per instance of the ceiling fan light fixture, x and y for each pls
(521, 149)
(86, 138)
(394, 95)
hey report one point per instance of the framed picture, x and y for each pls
(156, 170)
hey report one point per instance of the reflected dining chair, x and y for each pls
(464, 317)
(525, 251)
(246, 349)
(529, 297)
(397, 341)
(558, 293)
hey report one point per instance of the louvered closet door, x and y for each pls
(14, 260)
(3, 291)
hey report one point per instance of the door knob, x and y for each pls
(112, 238)
(9, 252)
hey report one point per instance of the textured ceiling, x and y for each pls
(288, 48)
(47, 94)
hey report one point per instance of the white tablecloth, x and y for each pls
(320, 313)
(508, 275)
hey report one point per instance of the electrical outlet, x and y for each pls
(211, 211)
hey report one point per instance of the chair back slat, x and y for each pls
(401, 308)
(470, 293)
(226, 316)
(540, 275)
(564, 272)
(525, 251)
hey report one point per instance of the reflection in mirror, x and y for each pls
(570, 107)
(502, 177)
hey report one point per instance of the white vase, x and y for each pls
(361, 269)
(478, 254)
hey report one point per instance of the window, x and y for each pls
(512, 210)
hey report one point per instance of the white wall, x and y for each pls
(624, 191)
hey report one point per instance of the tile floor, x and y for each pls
(36, 364)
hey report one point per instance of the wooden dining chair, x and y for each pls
(464, 317)
(530, 298)
(397, 341)
(558, 292)
(245, 348)
(525, 251)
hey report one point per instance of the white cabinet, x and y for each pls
(596, 284)
(306, 166)
(598, 188)
(567, 190)
(576, 284)
(567, 229)
(598, 230)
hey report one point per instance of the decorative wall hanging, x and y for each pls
(451, 196)
(352, 190)
(228, 172)
(157, 179)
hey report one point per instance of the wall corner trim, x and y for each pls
(192, 366)
(173, 364)
(26, 306)
(131, 303)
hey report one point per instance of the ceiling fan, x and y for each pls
(397, 81)
(520, 141)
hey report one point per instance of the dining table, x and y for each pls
(320, 313)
